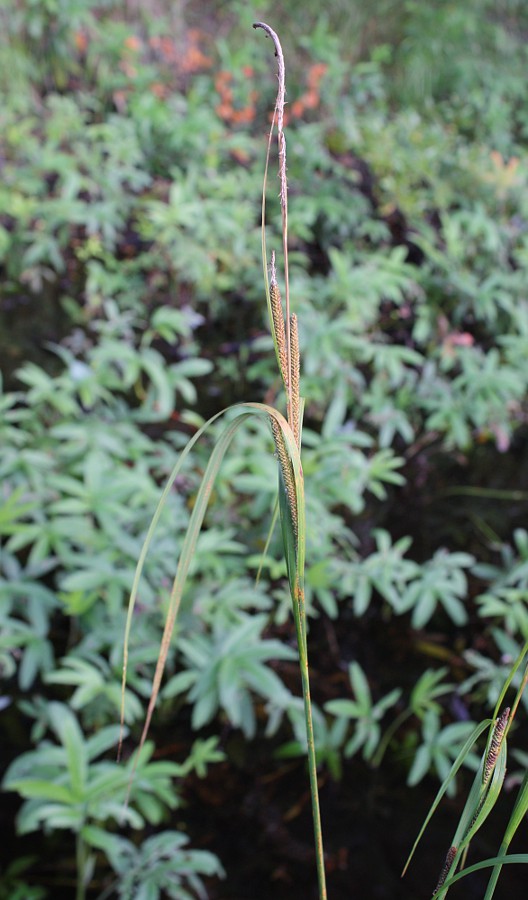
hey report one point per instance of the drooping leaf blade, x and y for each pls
(473, 737)
(240, 412)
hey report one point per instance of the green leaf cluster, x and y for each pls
(131, 309)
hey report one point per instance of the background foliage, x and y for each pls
(132, 307)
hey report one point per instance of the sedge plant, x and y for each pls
(483, 795)
(286, 432)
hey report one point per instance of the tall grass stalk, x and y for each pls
(286, 434)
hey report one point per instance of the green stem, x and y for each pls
(80, 852)
(492, 884)
(387, 737)
(488, 493)
(300, 625)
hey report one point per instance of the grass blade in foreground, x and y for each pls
(483, 864)
(484, 793)
(242, 412)
(475, 734)
(519, 812)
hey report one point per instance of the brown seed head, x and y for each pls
(496, 741)
(287, 471)
(451, 853)
(279, 329)
(295, 379)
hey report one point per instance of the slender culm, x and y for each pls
(279, 107)
(291, 497)
(281, 141)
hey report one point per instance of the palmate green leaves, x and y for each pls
(95, 687)
(362, 286)
(407, 586)
(437, 749)
(424, 693)
(222, 668)
(87, 171)
(163, 866)
(366, 714)
(442, 582)
(506, 595)
(65, 785)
